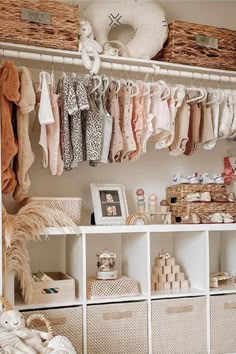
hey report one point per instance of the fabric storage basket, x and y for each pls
(178, 192)
(117, 328)
(65, 321)
(70, 206)
(223, 324)
(179, 326)
(200, 45)
(39, 23)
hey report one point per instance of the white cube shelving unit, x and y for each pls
(198, 249)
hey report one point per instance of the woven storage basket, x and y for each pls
(117, 328)
(180, 191)
(39, 23)
(123, 286)
(223, 324)
(179, 326)
(70, 206)
(65, 322)
(200, 45)
(202, 209)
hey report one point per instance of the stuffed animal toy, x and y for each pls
(88, 46)
(61, 345)
(147, 19)
(11, 344)
(13, 322)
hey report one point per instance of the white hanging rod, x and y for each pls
(149, 67)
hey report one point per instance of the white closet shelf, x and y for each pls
(117, 299)
(55, 56)
(227, 289)
(117, 229)
(165, 294)
(23, 306)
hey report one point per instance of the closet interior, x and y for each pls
(194, 319)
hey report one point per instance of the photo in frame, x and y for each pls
(109, 204)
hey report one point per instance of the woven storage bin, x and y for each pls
(203, 209)
(123, 286)
(200, 45)
(39, 23)
(179, 326)
(65, 321)
(117, 328)
(70, 206)
(223, 324)
(180, 191)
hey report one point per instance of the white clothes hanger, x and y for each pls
(99, 83)
(198, 90)
(136, 92)
(165, 88)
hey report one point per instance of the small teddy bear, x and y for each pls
(109, 50)
(88, 46)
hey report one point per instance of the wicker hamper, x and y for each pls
(41, 23)
(117, 328)
(200, 45)
(223, 324)
(70, 206)
(65, 322)
(179, 326)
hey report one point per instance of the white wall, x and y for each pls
(154, 170)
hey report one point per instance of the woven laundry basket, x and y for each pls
(65, 322)
(179, 326)
(117, 328)
(123, 286)
(70, 206)
(223, 324)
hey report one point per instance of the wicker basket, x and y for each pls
(123, 286)
(223, 324)
(203, 209)
(178, 192)
(39, 23)
(65, 322)
(70, 206)
(200, 45)
(179, 326)
(118, 328)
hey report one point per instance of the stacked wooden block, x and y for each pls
(166, 275)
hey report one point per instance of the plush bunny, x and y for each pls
(11, 344)
(88, 46)
(14, 323)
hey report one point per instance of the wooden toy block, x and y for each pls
(180, 276)
(184, 284)
(167, 270)
(170, 277)
(160, 262)
(162, 278)
(175, 285)
(157, 270)
(166, 286)
(153, 285)
(170, 262)
(175, 269)
(163, 286)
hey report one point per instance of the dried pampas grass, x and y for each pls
(26, 225)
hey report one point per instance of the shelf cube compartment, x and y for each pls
(117, 328)
(179, 326)
(65, 321)
(222, 248)
(186, 269)
(131, 257)
(223, 323)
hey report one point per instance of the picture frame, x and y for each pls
(109, 204)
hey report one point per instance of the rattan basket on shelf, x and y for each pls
(70, 206)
